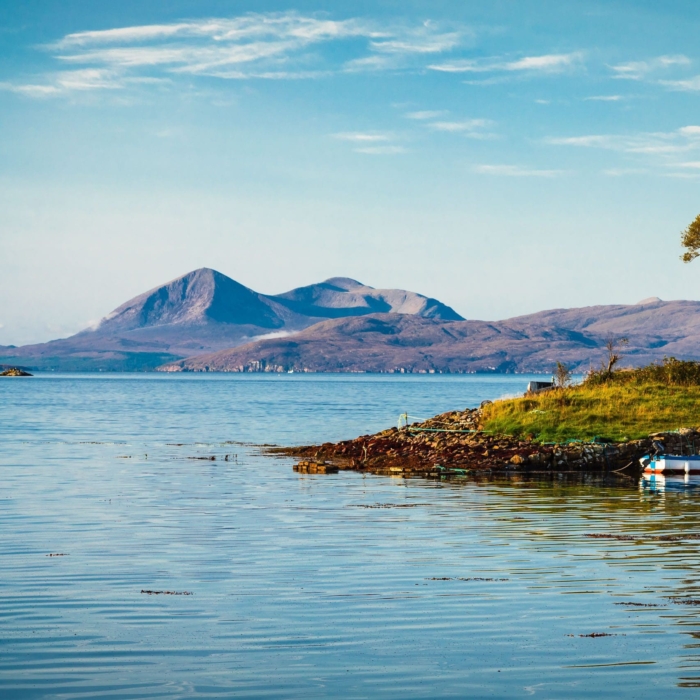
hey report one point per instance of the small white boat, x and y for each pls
(667, 472)
(671, 464)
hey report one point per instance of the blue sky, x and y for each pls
(504, 157)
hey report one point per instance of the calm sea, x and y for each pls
(316, 586)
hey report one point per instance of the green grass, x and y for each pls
(624, 409)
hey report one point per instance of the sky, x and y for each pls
(504, 157)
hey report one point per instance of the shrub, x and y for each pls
(670, 372)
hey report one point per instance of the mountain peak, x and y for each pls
(342, 296)
(201, 296)
(345, 283)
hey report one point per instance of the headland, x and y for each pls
(605, 424)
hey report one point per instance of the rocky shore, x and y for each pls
(454, 443)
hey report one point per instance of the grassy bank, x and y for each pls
(624, 406)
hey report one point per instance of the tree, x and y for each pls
(611, 345)
(562, 375)
(690, 240)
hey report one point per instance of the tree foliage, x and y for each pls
(561, 375)
(690, 240)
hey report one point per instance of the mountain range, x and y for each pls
(205, 321)
(205, 311)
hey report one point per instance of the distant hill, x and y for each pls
(205, 311)
(205, 320)
(390, 342)
(339, 297)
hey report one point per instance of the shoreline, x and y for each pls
(454, 444)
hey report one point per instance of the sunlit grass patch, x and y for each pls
(617, 410)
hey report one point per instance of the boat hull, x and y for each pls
(673, 465)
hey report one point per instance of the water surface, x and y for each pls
(316, 585)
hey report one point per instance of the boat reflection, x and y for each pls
(660, 483)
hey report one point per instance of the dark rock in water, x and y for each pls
(15, 372)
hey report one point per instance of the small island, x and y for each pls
(604, 424)
(15, 372)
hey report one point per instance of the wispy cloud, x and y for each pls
(604, 98)
(425, 114)
(381, 150)
(547, 63)
(473, 128)
(683, 175)
(639, 70)
(30, 89)
(428, 38)
(621, 172)
(371, 142)
(460, 126)
(688, 85)
(681, 140)
(362, 136)
(282, 45)
(515, 171)
(80, 80)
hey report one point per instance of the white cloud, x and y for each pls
(371, 142)
(667, 61)
(371, 63)
(88, 79)
(638, 70)
(423, 41)
(31, 90)
(425, 114)
(515, 171)
(604, 98)
(659, 143)
(683, 175)
(548, 63)
(381, 150)
(468, 125)
(153, 31)
(362, 136)
(268, 26)
(659, 149)
(471, 128)
(689, 85)
(599, 140)
(80, 80)
(283, 45)
(621, 172)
